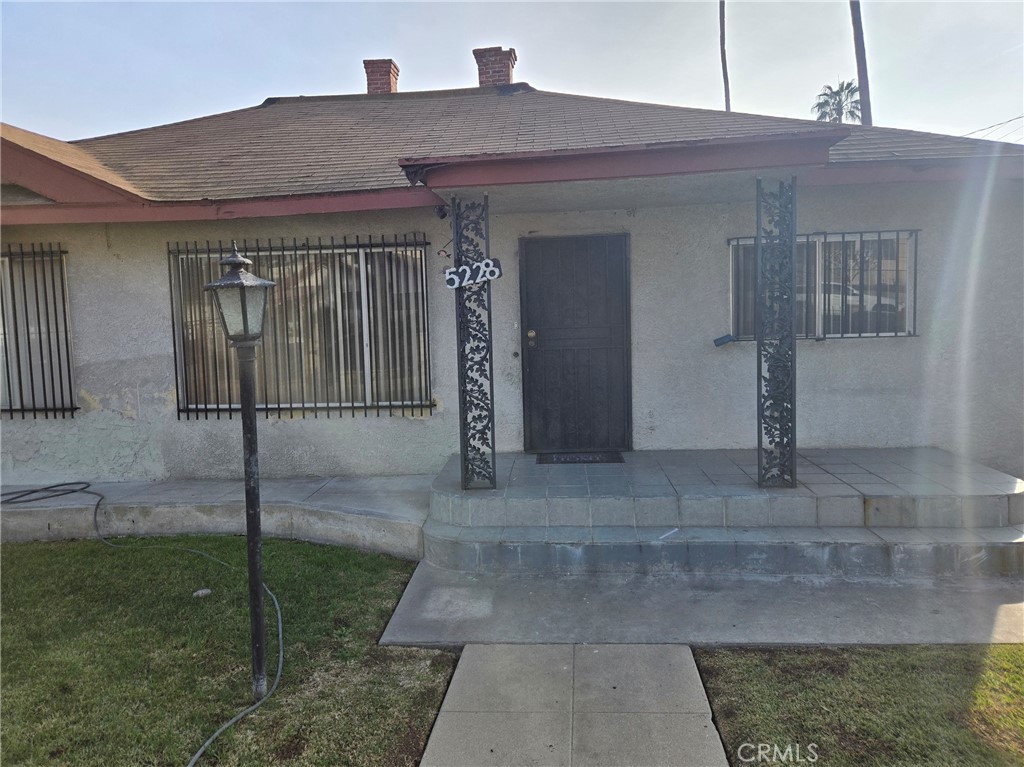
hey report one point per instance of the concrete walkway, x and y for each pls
(575, 705)
(446, 608)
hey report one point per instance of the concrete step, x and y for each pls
(848, 552)
(576, 506)
(892, 487)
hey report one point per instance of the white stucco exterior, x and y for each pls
(959, 384)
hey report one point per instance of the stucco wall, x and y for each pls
(128, 428)
(958, 385)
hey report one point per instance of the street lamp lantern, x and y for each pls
(241, 300)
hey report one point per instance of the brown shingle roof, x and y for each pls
(67, 154)
(316, 145)
(880, 144)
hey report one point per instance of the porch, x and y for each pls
(855, 513)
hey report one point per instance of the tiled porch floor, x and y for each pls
(857, 513)
(910, 487)
(833, 472)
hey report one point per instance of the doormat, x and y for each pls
(607, 456)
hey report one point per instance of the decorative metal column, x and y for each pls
(471, 246)
(774, 316)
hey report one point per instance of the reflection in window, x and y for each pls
(865, 286)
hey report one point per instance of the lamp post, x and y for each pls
(241, 300)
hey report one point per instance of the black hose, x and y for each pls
(69, 488)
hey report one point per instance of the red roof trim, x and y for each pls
(835, 133)
(706, 158)
(386, 199)
(956, 169)
(84, 199)
(55, 180)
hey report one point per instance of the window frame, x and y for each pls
(820, 238)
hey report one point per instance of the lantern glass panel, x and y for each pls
(255, 304)
(229, 302)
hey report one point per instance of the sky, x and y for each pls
(73, 70)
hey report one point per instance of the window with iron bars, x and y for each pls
(35, 343)
(345, 329)
(848, 284)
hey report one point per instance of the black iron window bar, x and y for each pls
(35, 341)
(867, 285)
(345, 332)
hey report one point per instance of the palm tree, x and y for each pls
(862, 62)
(836, 105)
(721, 45)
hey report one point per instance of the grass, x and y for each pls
(908, 706)
(108, 659)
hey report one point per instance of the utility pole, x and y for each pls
(862, 64)
(721, 45)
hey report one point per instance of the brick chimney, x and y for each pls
(495, 65)
(381, 75)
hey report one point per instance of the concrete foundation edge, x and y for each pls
(366, 530)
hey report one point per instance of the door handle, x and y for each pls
(531, 335)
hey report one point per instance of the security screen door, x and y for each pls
(575, 336)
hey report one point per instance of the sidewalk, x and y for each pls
(579, 705)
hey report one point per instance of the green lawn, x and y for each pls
(916, 706)
(108, 659)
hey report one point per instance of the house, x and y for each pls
(624, 234)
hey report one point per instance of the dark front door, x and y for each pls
(575, 315)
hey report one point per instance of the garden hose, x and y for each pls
(70, 488)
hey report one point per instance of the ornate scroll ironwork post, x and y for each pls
(774, 320)
(471, 244)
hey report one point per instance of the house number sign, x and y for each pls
(471, 274)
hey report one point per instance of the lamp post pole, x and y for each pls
(241, 300)
(253, 532)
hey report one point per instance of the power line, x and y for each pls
(988, 135)
(1005, 134)
(992, 126)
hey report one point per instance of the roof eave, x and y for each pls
(630, 161)
(220, 210)
(56, 180)
(411, 165)
(915, 170)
